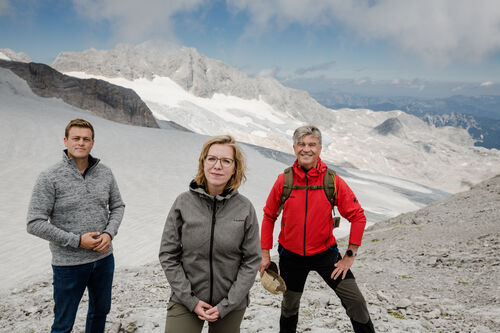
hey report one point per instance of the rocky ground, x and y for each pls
(433, 270)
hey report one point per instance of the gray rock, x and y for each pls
(390, 126)
(403, 303)
(382, 297)
(130, 327)
(100, 97)
(433, 314)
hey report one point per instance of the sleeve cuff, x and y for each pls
(75, 241)
(191, 304)
(222, 308)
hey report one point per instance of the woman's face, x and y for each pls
(218, 167)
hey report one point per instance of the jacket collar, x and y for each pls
(195, 187)
(313, 172)
(92, 160)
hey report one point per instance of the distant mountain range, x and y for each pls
(479, 115)
(206, 96)
(182, 87)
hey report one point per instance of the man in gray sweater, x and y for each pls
(77, 207)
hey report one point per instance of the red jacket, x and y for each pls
(306, 223)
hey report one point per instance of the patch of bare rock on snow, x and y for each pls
(432, 270)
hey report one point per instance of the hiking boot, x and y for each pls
(363, 328)
(288, 325)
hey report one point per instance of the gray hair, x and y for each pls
(306, 130)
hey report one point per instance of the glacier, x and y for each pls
(209, 97)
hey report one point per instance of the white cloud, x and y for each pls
(363, 81)
(434, 30)
(4, 7)
(315, 68)
(134, 20)
(438, 31)
(486, 84)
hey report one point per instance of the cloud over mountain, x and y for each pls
(406, 25)
(133, 20)
(486, 84)
(4, 7)
(315, 68)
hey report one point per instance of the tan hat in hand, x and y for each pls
(272, 281)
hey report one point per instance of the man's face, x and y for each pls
(79, 142)
(307, 151)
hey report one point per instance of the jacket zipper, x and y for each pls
(86, 172)
(211, 252)
(305, 217)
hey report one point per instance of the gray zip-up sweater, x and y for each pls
(210, 249)
(66, 204)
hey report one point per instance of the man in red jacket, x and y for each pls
(306, 240)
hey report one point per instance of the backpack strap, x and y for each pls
(287, 188)
(330, 187)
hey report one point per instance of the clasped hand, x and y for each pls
(95, 241)
(206, 312)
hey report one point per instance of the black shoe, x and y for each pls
(289, 324)
(363, 328)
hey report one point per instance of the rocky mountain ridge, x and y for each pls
(194, 72)
(100, 97)
(208, 97)
(15, 56)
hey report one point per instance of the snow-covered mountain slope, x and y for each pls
(152, 167)
(209, 97)
(102, 98)
(8, 54)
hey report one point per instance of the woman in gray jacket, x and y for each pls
(210, 249)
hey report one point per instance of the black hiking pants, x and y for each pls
(294, 269)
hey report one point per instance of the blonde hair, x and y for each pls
(239, 163)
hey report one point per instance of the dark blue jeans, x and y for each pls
(70, 283)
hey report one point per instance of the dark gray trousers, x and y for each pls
(294, 269)
(180, 319)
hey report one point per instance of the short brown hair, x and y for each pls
(239, 162)
(78, 123)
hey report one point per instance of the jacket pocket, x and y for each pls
(230, 233)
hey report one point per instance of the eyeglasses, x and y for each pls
(225, 162)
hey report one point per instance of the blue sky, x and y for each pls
(391, 41)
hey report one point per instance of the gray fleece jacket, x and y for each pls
(210, 249)
(66, 204)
